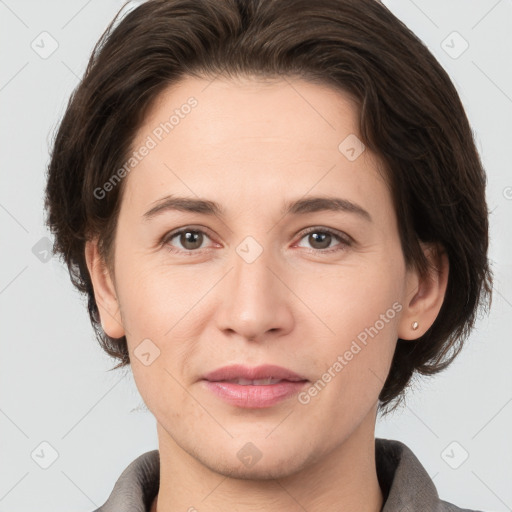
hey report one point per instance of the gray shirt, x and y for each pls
(405, 483)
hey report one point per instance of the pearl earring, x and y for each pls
(415, 325)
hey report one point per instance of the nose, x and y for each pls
(256, 303)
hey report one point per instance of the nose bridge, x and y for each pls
(256, 300)
(252, 280)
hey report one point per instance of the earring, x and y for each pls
(415, 325)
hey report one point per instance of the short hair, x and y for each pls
(409, 114)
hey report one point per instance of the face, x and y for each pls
(316, 289)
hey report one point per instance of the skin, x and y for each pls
(251, 146)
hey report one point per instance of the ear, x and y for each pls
(104, 291)
(425, 294)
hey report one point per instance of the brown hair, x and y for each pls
(410, 116)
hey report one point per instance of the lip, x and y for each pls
(253, 396)
(258, 372)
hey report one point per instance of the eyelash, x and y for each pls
(346, 241)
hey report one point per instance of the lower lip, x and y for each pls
(255, 397)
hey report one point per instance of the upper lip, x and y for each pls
(258, 372)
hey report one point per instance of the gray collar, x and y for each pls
(405, 483)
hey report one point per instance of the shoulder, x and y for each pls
(136, 486)
(405, 483)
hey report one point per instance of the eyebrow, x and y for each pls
(298, 207)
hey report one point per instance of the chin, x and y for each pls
(268, 462)
(269, 470)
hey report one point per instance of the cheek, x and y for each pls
(154, 298)
(362, 309)
(358, 297)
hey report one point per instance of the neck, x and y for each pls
(344, 479)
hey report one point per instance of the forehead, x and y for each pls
(252, 107)
(250, 135)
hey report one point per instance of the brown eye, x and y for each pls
(321, 240)
(189, 240)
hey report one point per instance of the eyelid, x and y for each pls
(340, 234)
(345, 240)
(171, 234)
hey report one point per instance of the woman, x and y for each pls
(277, 212)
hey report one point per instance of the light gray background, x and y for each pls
(55, 387)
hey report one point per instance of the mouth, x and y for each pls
(257, 382)
(254, 388)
